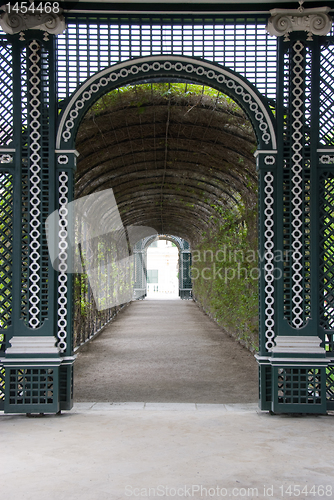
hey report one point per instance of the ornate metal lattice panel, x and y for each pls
(326, 96)
(2, 387)
(6, 96)
(31, 386)
(6, 249)
(24, 96)
(63, 255)
(45, 181)
(35, 184)
(265, 383)
(269, 259)
(186, 278)
(25, 197)
(296, 187)
(307, 89)
(299, 386)
(326, 256)
(90, 45)
(330, 385)
(66, 386)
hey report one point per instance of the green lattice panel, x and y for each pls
(186, 257)
(308, 95)
(326, 246)
(240, 43)
(6, 95)
(6, 248)
(330, 387)
(291, 199)
(265, 386)
(30, 390)
(2, 388)
(66, 386)
(326, 111)
(29, 187)
(299, 386)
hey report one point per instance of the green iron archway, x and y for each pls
(204, 72)
(296, 217)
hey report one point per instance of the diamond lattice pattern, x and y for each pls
(6, 95)
(6, 248)
(327, 96)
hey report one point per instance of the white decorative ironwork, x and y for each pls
(62, 159)
(314, 21)
(217, 75)
(17, 22)
(297, 186)
(327, 159)
(269, 160)
(35, 159)
(6, 158)
(63, 253)
(269, 259)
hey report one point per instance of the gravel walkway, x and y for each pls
(165, 351)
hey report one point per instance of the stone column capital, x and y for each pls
(314, 21)
(50, 21)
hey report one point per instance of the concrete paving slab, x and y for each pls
(171, 406)
(115, 455)
(242, 407)
(82, 406)
(213, 407)
(118, 406)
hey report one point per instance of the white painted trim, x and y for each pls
(298, 345)
(69, 358)
(33, 362)
(73, 151)
(262, 358)
(298, 361)
(7, 150)
(32, 345)
(264, 152)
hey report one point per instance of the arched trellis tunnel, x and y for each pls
(140, 265)
(295, 163)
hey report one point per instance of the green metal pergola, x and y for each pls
(276, 60)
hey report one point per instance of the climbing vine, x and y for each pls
(225, 273)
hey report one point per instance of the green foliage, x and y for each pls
(141, 95)
(225, 274)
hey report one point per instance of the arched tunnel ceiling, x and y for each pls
(171, 153)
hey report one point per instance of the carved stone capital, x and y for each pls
(17, 22)
(314, 21)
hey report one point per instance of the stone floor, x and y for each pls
(103, 451)
(188, 425)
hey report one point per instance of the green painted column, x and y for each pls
(36, 363)
(292, 355)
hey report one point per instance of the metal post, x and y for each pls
(292, 357)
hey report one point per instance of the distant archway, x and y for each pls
(140, 266)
